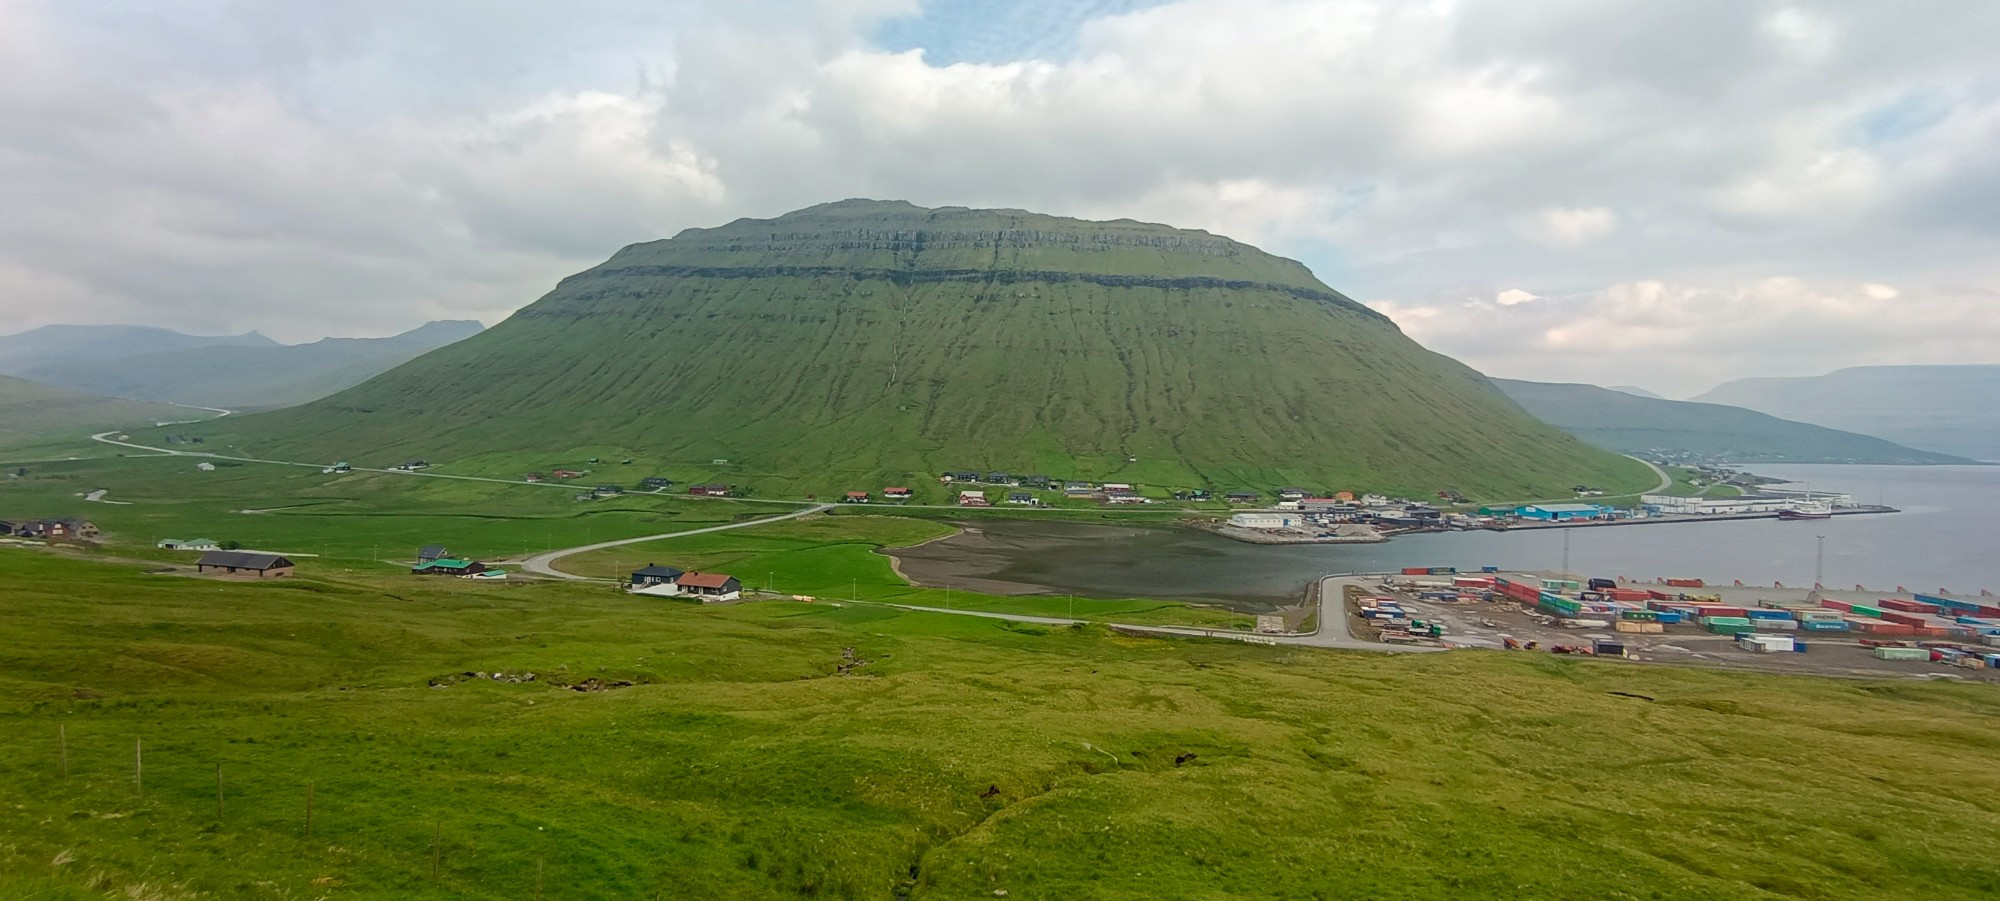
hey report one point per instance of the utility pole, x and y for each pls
(1819, 563)
(1565, 569)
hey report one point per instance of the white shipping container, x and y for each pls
(1776, 625)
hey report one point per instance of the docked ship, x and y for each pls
(1807, 510)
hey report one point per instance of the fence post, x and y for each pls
(139, 766)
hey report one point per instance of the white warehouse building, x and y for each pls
(1266, 520)
(1710, 506)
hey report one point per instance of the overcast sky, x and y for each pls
(1661, 194)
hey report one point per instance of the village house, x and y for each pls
(189, 544)
(1039, 483)
(565, 474)
(1242, 497)
(896, 493)
(205, 467)
(431, 552)
(855, 497)
(412, 465)
(1078, 489)
(1001, 478)
(972, 499)
(1023, 498)
(1292, 494)
(68, 529)
(607, 491)
(655, 483)
(449, 566)
(711, 587)
(244, 565)
(960, 476)
(656, 576)
(710, 490)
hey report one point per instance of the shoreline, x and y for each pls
(1251, 536)
(896, 563)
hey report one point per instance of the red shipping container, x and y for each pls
(1908, 606)
(1658, 595)
(1836, 605)
(1719, 610)
(1907, 619)
(1416, 571)
(1626, 594)
(1685, 583)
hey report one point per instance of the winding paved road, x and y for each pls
(1666, 481)
(544, 564)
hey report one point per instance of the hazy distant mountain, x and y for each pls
(1635, 425)
(1949, 409)
(1635, 391)
(57, 345)
(31, 410)
(238, 376)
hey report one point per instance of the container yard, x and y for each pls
(1686, 621)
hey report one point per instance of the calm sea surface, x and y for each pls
(1948, 536)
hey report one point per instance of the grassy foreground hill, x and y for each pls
(860, 343)
(1628, 423)
(786, 750)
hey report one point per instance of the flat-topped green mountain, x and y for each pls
(863, 343)
(1617, 420)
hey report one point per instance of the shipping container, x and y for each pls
(1767, 613)
(1489, 569)
(1607, 648)
(1908, 619)
(1670, 617)
(1441, 570)
(1835, 605)
(1685, 583)
(1923, 654)
(1639, 626)
(1603, 584)
(1907, 606)
(1776, 625)
(1813, 625)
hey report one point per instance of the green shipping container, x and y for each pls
(1865, 610)
(1902, 654)
(1731, 628)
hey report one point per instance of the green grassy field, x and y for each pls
(837, 558)
(957, 758)
(351, 519)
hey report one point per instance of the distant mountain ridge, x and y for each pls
(54, 345)
(1944, 408)
(248, 371)
(1632, 424)
(859, 344)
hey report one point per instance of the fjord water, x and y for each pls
(1947, 536)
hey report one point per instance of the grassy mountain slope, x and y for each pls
(1632, 424)
(864, 342)
(1948, 409)
(30, 410)
(254, 375)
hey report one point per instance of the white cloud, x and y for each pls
(1569, 227)
(1603, 178)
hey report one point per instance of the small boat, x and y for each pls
(1808, 510)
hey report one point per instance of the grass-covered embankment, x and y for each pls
(956, 758)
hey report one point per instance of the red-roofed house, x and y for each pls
(711, 586)
(897, 493)
(857, 497)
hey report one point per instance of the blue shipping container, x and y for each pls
(1489, 569)
(1811, 625)
(1762, 613)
